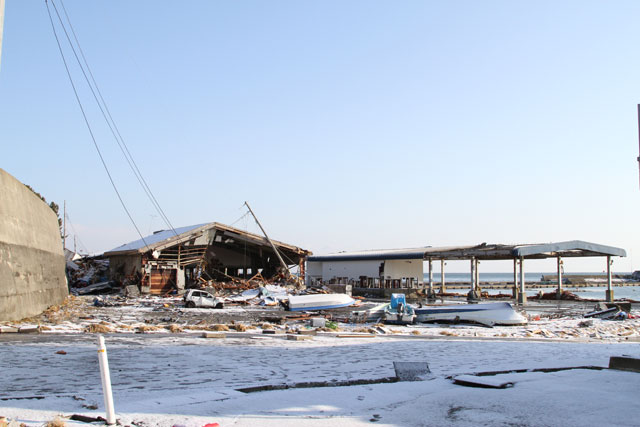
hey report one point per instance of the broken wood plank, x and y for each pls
(214, 335)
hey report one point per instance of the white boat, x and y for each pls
(319, 301)
(490, 314)
(398, 311)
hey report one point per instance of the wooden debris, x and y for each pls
(220, 335)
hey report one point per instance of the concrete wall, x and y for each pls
(399, 268)
(32, 264)
(328, 270)
(393, 269)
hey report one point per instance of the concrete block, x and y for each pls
(292, 337)
(411, 371)
(317, 322)
(8, 330)
(29, 329)
(482, 382)
(221, 335)
(272, 331)
(624, 363)
(308, 332)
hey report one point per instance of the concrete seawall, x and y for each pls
(32, 264)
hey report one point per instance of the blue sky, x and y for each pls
(346, 125)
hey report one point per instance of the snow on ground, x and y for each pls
(166, 380)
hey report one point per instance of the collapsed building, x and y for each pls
(188, 256)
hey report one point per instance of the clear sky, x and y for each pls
(346, 124)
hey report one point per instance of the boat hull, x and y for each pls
(491, 314)
(319, 302)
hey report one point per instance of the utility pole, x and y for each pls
(284, 264)
(64, 223)
(1, 26)
(638, 133)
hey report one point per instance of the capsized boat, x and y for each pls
(319, 301)
(490, 314)
(398, 311)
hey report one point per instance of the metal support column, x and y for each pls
(515, 279)
(522, 294)
(477, 279)
(443, 288)
(473, 292)
(609, 289)
(430, 293)
(473, 274)
(559, 291)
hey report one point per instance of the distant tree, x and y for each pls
(53, 205)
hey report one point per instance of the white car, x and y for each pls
(196, 298)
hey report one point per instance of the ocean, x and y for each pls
(590, 292)
(504, 277)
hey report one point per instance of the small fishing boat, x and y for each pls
(398, 311)
(319, 302)
(490, 314)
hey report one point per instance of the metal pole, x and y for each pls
(638, 132)
(477, 281)
(286, 267)
(473, 275)
(442, 285)
(64, 225)
(522, 295)
(515, 278)
(430, 276)
(559, 291)
(106, 381)
(1, 26)
(609, 290)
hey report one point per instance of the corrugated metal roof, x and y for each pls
(155, 238)
(571, 246)
(372, 255)
(574, 248)
(166, 238)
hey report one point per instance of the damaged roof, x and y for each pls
(483, 251)
(372, 255)
(166, 238)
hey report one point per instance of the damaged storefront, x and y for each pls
(212, 254)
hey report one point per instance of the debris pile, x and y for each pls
(88, 275)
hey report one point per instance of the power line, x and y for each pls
(106, 114)
(75, 233)
(86, 120)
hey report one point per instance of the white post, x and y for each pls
(442, 285)
(609, 289)
(430, 276)
(106, 381)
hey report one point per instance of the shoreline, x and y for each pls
(509, 285)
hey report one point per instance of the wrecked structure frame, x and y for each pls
(188, 256)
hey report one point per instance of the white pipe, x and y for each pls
(106, 381)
